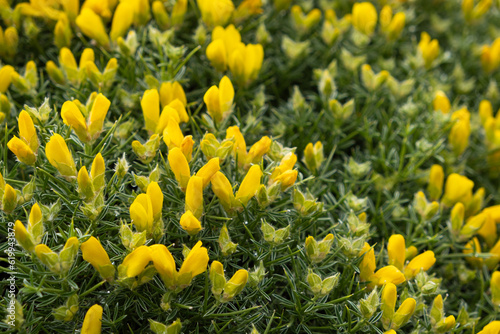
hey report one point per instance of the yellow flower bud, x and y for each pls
(436, 179)
(9, 199)
(178, 12)
(473, 247)
(171, 91)
(429, 49)
(388, 303)
(135, 263)
(23, 237)
(367, 265)
(194, 196)
(150, 104)
(457, 217)
(11, 41)
(208, 170)
(97, 116)
(91, 26)
(219, 100)
(258, 150)
(245, 63)
(59, 156)
(458, 188)
(6, 77)
(223, 190)
(240, 146)
(473, 225)
(247, 8)
(235, 285)
(141, 213)
(364, 17)
(215, 12)
(420, 262)
(62, 32)
(489, 231)
(387, 274)
(180, 167)
(217, 278)
(122, 20)
(287, 179)
(313, 156)
(404, 313)
(190, 223)
(194, 264)
(35, 223)
(146, 152)
(97, 172)
(48, 258)
(217, 54)
(85, 187)
(93, 320)
(460, 132)
(249, 185)
(22, 151)
(495, 288)
(396, 250)
(441, 102)
(94, 253)
(491, 328)
(55, 73)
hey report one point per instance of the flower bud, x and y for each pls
(9, 199)
(146, 152)
(23, 237)
(91, 26)
(190, 223)
(94, 253)
(436, 179)
(421, 262)
(364, 17)
(404, 313)
(60, 157)
(93, 320)
(226, 245)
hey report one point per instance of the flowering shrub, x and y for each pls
(250, 166)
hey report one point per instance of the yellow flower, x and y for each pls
(404, 313)
(23, 237)
(240, 146)
(258, 150)
(367, 265)
(122, 20)
(180, 167)
(387, 274)
(313, 156)
(208, 170)
(93, 320)
(429, 49)
(59, 156)
(485, 111)
(6, 77)
(194, 196)
(495, 288)
(388, 303)
(194, 264)
(22, 151)
(473, 247)
(245, 63)
(224, 43)
(396, 250)
(94, 253)
(190, 223)
(420, 262)
(287, 179)
(9, 199)
(91, 25)
(247, 8)
(215, 12)
(302, 22)
(364, 17)
(235, 285)
(156, 122)
(219, 100)
(223, 190)
(460, 132)
(141, 213)
(436, 179)
(26, 147)
(441, 102)
(491, 328)
(135, 263)
(249, 185)
(171, 91)
(458, 188)
(90, 129)
(490, 56)
(391, 25)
